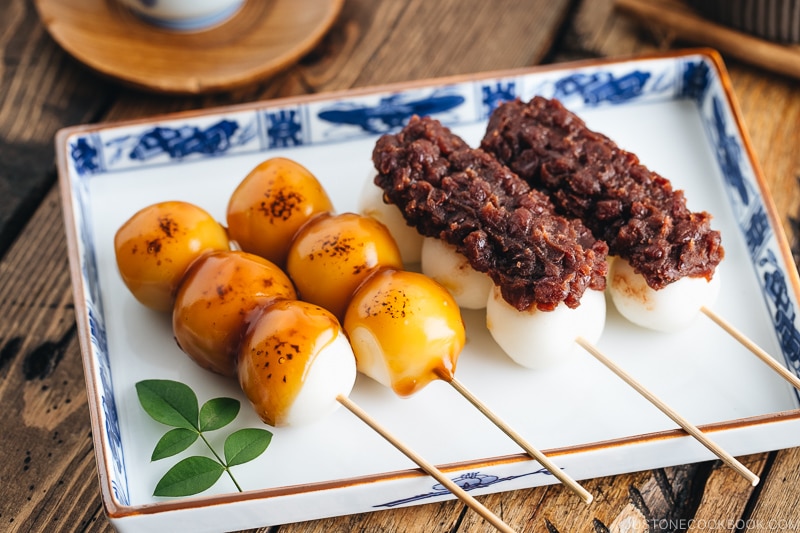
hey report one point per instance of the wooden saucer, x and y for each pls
(264, 37)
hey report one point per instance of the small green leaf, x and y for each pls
(189, 476)
(174, 441)
(245, 445)
(169, 402)
(217, 413)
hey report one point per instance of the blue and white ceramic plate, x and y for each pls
(675, 111)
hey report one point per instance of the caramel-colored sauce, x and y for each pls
(155, 247)
(270, 205)
(413, 322)
(218, 293)
(332, 255)
(279, 349)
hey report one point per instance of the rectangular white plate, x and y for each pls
(675, 111)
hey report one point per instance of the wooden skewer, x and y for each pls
(753, 347)
(562, 476)
(687, 426)
(434, 472)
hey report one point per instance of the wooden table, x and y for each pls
(48, 478)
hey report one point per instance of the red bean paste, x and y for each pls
(464, 196)
(588, 177)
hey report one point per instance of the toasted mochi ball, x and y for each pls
(271, 203)
(214, 303)
(406, 330)
(333, 254)
(669, 309)
(156, 245)
(371, 204)
(442, 262)
(294, 362)
(536, 339)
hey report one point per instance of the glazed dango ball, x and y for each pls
(270, 204)
(333, 254)
(294, 362)
(155, 247)
(215, 301)
(406, 330)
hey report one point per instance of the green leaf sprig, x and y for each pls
(175, 404)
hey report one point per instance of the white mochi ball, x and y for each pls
(536, 339)
(371, 204)
(669, 309)
(332, 374)
(442, 262)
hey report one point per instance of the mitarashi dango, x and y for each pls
(294, 362)
(406, 330)
(216, 300)
(333, 254)
(155, 247)
(270, 204)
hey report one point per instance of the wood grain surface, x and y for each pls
(48, 476)
(678, 18)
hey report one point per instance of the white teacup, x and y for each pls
(184, 15)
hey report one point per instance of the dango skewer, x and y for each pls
(639, 208)
(676, 306)
(406, 329)
(350, 254)
(503, 321)
(235, 314)
(344, 252)
(448, 190)
(421, 351)
(687, 426)
(434, 472)
(296, 365)
(753, 347)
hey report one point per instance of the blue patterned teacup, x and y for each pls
(184, 15)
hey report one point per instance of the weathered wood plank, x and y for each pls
(779, 498)
(46, 436)
(598, 30)
(42, 90)
(725, 498)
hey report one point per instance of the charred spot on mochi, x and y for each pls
(285, 350)
(223, 290)
(336, 245)
(632, 291)
(394, 304)
(154, 247)
(281, 205)
(168, 226)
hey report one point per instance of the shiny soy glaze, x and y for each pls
(408, 324)
(215, 301)
(270, 204)
(156, 245)
(278, 351)
(333, 254)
